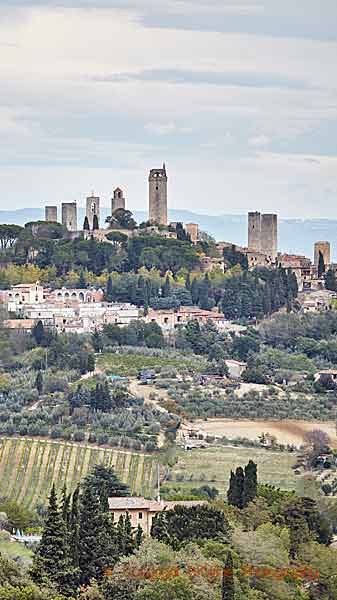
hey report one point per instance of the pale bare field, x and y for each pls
(286, 432)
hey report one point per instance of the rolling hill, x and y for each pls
(29, 467)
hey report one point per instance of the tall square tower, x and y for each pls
(158, 196)
(92, 208)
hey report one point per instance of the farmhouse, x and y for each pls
(142, 511)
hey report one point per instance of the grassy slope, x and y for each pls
(213, 466)
(34, 465)
(130, 364)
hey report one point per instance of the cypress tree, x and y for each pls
(65, 507)
(330, 280)
(82, 284)
(52, 558)
(86, 226)
(166, 288)
(321, 264)
(39, 383)
(188, 282)
(95, 224)
(74, 527)
(195, 291)
(38, 333)
(228, 585)
(250, 483)
(93, 552)
(139, 537)
(235, 492)
(109, 290)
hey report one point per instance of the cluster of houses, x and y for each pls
(85, 310)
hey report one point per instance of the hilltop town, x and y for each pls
(71, 309)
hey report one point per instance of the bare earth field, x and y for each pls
(286, 432)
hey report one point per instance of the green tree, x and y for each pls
(185, 523)
(103, 478)
(330, 280)
(250, 483)
(9, 235)
(52, 558)
(39, 382)
(95, 224)
(228, 585)
(236, 486)
(109, 290)
(95, 538)
(38, 333)
(321, 264)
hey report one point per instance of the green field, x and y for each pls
(129, 364)
(213, 466)
(15, 551)
(28, 468)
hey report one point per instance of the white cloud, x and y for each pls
(55, 113)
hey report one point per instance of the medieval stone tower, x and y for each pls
(118, 200)
(92, 208)
(254, 231)
(69, 216)
(324, 248)
(51, 213)
(158, 196)
(262, 233)
(269, 235)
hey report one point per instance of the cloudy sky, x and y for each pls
(239, 99)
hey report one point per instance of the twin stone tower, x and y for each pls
(157, 204)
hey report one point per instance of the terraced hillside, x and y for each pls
(28, 468)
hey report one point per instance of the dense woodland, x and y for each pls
(257, 543)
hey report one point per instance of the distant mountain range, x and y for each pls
(296, 236)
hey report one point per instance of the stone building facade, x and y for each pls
(158, 196)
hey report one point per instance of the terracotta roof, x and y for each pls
(140, 503)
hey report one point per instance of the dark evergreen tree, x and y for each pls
(236, 485)
(82, 284)
(321, 264)
(39, 383)
(86, 226)
(91, 363)
(205, 301)
(195, 291)
(250, 483)
(126, 542)
(38, 333)
(330, 280)
(166, 288)
(188, 282)
(97, 341)
(52, 559)
(74, 528)
(105, 478)
(139, 537)
(109, 294)
(228, 585)
(95, 224)
(94, 553)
